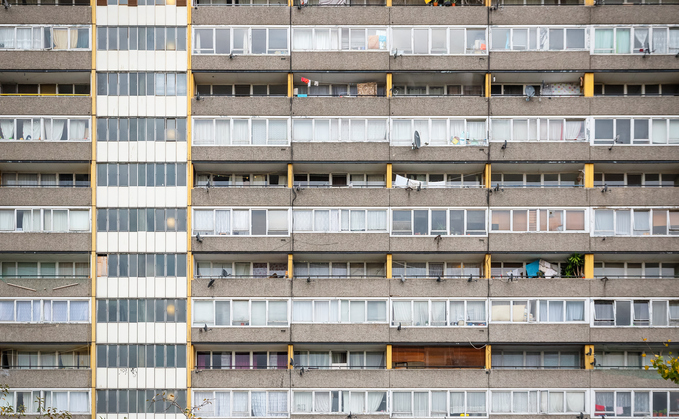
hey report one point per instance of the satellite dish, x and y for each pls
(416, 141)
(530, 92)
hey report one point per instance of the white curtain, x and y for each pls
(642, 222)
(302, 130)
(241, 221)
(501, 402)
(222, 403)
(258, 403)
(377, 220)
(456, 404)
(321, 220)
(456, 312)
(377, 130)
(375, 400)
(574, 130)
(240, 403)
(477, 130)
(79, 311)
(659, 313)
(222, 134)
(59, 220)
(457, 128)
(421, 404)
(258, 317)
(476, 403)
(322, 402)
(357, 220)
(259, 132)
(79, 220)
(7, 129)
(302, 220)
(375, 360)
(278, 221)
(302, 39)
(603, 221)
(222, 221)
(659, 41)
(278, 132)
(401, 134)
(659, 130)
(278, 403)
(79, 402)
(575, 402)
(203, 131)
(302, 311)
(59, 400)
(241, 133)
(603, 311)
(77, 130)
(203, 221)
(402, 312)
(476, 311)
(402, 405)
(641, 402)
(6, 38)
(302, 401)
(674, 40)
(575, 311)
(501, 129)
(54, 129)
(357, 311)
(623, 222)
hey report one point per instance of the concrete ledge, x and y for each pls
(341, 242)
(231, 153)
(449, 335)
(314, 378)
(45, 287)
(45, 333)
(543, 106)
(240, 379)
(428, 287)
(471, 62)
(549, 60)
(435, 154)
(627, 196)
(46, 60)
(335, 287)
(275, 197)
(636, 62)
(343, 197)
(336, 152)
(541, 151)
(541, 287)
(52, 378)
(341, 60)
(540, 242)
(241, 335)
(52, 15)
(557, 197)
(228, 15)
(642, 106)
(48, 105)
(629, 287)
(363, 333)
(242, 244)
(528, 378)
(235, 106)
(362, 15)
(542, 333)
(541, 15)
(45, 196)
(423, 106)
(46, 242)
(438, 378)
(472, 15)
(437, 197)
(634, 153)
(340, 106)
(634, 244)
(633, 334)
(241, 62)
(451, 244)
(621, 378)
(46, 151)
(241, 287)
(635, 14)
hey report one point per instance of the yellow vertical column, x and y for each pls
(291, 357)
(486, 266)
(589, 2)
(290, 83)
(588, 84)
(486, 85)
(389, 2)
(290, 266)
(388, 357)
(488, 357)
(390, 84)
(189, 170)
(486, 176)
(291, 175)
(589, 266)
(589, 357)
(389, 175)
(93, 185)
(389, 263)
(589, 175)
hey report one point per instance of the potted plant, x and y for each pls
(575, 266)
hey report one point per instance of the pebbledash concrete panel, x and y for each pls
(540, 15)
(544, 151)
(240, 106)
(10, 196)
(340, 106)
(363, 15)
(539, 378)
(424, 335)
(628, 378)
(544, 197)
(46, 151)
(631, 287)
(241, 287)
(538, 333)
(549, 60)
(452, 244)
(403, 15)
(633, 196)
(240, 62)
(219, 335)
(422, 106)
(540, 287)
(242, 244)
(341, 242)
(52, 378)
(438, 197)
(254, 196)
(471, 153)
(48, 105)
(46, 242)
(634, 62)
(46, 333)
(654, 244)
(471, 378)
(471, 62)
(340, 152)
(238, 378)
(539, 242)
(606, 153)
(46, 60)
(539, 106)
(341, 61)
(642, 106)
(45, 287)
(633, 335)
(221, 15)
(350, 378)
(340, 288)
(343, 197)
(233, 154)
(635, 14)
(45, 14)
(336, 333)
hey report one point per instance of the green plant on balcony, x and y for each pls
(575, 266)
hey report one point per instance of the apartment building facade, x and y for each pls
(339, 208)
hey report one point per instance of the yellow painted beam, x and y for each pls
(290, 83)
(291, 356)
(291, 175)
(389, 175)
(486, 176)
(589, 175)
(589, 2)
(389, 2)
(588, 84)
(589, 266)
(388, 357)
(488, 357)
(486, 267)
(488, 77)
(389, 263)
(390, 84)
(589, 357)
(290, 266)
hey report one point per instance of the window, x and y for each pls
(258, 403)
(437, 180)
(237, 180)
(336, 401)
(339, 39)
(627, 403)
(44, 311)
(45, 180)
(41, 359)
(443, 403)
(538, 39)
(141, 129)
(537, 401)
(44, 129)
(612, 359)
(636, 222)
(141, 174)
(635, 40)
(241, 131)
(439, 132)
(241, 222)
(141, 310)
(320, 269)
(141, 219)
(339, 359)
(339, 129)
(636, 131)
(538, 311)
(219, 269)
(534, 358)
(538, 129)
(45, 38)
(537, 180)
(44, 269)
(45, 220)
(141, 356)
(141, 84)
(339, 311)
(241, 40)
(334, 220)
(135, 401)
(437, 313)
(242, 90)
(456, 222)
(538, 220)
(140, 265)
(240, 359)
(636, 270)
(255, 313)
(438, 40)
(435, 269)
(25, 401)
(637, 313)
(141, 38)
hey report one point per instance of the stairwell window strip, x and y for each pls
(241, 222)
(142, 310)
(142, 265)
(538, 129)
(38, 38)
(631, 403)
(333, 38)
(141, 356)
(45, 220)
(538, 311)
(538, 401)
(241, 131)
(635, 131)
(635, 313)
(539, 220)
(354, 401)
(141, 38)
(138, 401)
(636, 222)
(141, 174)
(443, 40)
(63, 400)
(339, 311)
(141, 129)
(438, 313)
(642, 40)
(141, 84)
(44, 311)
(240, 313)
(339, 220)
(27, 128)
(243, 403)
(439, 131)
(541, 38)
(435, 222)
(236, 40)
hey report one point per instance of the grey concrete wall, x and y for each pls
(313, 378)
(428, 287)
(438, 154)
(46, 196)
(445, 378)
(46, 151)
(350, 287)
(552, 152)
(48, 105)
(541, 287)
(343, 197)
(438, 16)
(637, 14)
(61, 15)
(472, 62)
(253, 153)
(333, 416)
(45, 287)
(438, 106)
(340, 106)
(81, 378)
(636, 62)
(560, 197)
(356, 61)
(423, 335)
(539, 333)
(239, 196)
(363, 333)
(437, 197)
(240, 379)
(370, 15)
(539, 242)
(233, 106)
(341, 242)
(629, 287)
(549, 60)
(632, 153)
(634, 196)
(642, 106)
(329, 152)
(447, 244)
(614, 378)
(241, 335)
(241, 287)
(518, 106)
(634, 244)
(225, 15)
(242, 244)
(46, 242)
(632, 334)
(241, 62)
(540, 15)
(46, 60)
(42, 333)
(539, 378)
